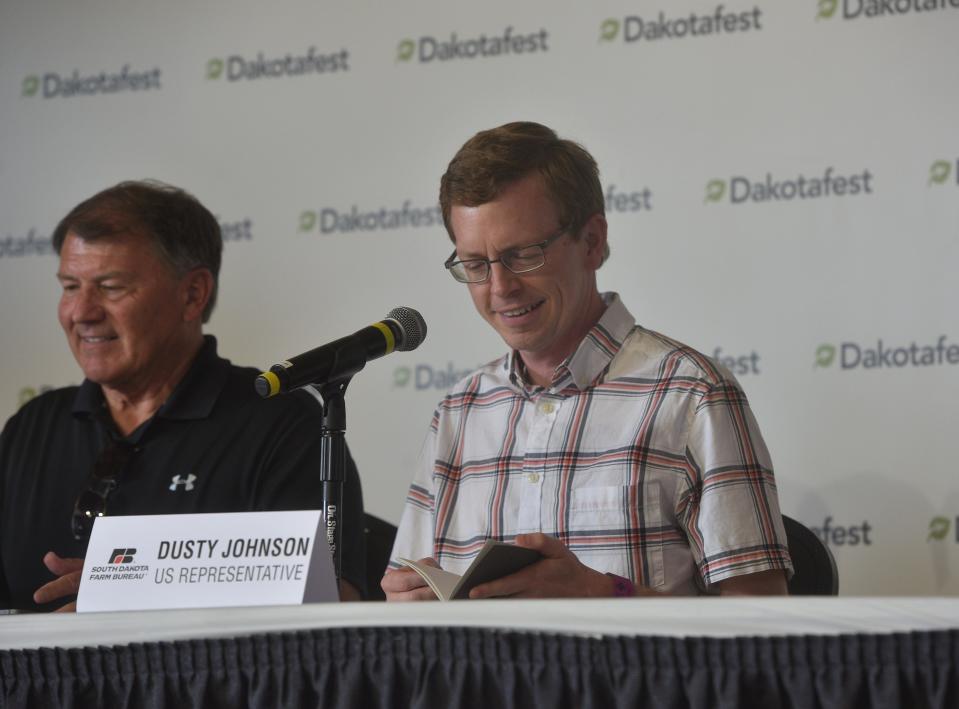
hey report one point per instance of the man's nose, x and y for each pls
(87, 306)
(502, 281)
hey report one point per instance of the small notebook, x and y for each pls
(495, 560)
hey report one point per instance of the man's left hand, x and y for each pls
(559, 574)
(67, 583)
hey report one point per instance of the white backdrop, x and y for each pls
(682, 103)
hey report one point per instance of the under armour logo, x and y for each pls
(180, 480)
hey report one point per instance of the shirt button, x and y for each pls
(547, 407)
(533, 477)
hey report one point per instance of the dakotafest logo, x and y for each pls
(853, 355)
(622, 201)
(939, 528)
(943, 172)
(241, 230)
(839, 535)
(28, 393)
(741, 189)
(739, 364)
(633, 28)
(332, 221)
(238, 68)
(860, 9)
(52, 84)
(444, 49)
(424, 376)
(32, 244)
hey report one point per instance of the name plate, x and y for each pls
(151, 562)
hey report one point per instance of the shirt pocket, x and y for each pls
(614, 530)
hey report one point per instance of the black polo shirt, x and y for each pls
(214, 446)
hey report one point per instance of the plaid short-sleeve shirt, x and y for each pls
(642, 456)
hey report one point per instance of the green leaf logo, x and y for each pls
(608, 30)
(307, 220)
(825, 355)
(401, 376)
(939, 172)
(827, 8)
(26, 394)
(715, 189)
(214, 69)
(404, 52)
(30, 86)
(938, 528)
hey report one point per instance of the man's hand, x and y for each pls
(406, 585)
(558, 575)
(67, 583)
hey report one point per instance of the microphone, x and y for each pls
(402, 329)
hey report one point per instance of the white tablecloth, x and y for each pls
(671, 617)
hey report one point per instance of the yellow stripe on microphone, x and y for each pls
(388, 334)
(273, 381)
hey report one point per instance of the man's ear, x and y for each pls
(594, 234)
(196, 288)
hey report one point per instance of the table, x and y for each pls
(670, 652)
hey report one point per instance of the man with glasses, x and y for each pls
(161, 424)
(631, 462)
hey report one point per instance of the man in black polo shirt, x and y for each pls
(160, 424)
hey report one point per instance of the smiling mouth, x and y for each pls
(519, 312)
(98, 339)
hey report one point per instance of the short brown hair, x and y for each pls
(493, 159)
(184, 232)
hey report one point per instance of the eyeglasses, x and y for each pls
(519, 260)
(92, 502)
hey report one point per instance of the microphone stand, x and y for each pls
(333, 465)
(349, 359)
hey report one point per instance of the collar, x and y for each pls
(589, 362)
(193, 398)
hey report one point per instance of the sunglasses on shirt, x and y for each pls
(104, 479)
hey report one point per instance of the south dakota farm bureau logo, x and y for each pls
(881, 355)
(53, 84)
(633, 28)
(507, 42)
(122, 556)
(120, 567)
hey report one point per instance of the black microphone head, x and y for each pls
(412, 327)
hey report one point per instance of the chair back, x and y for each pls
(815, 572)
(379, 535)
